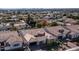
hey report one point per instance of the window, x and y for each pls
(69, 36)
(72, 36)
(60, 37)
(16, 44)
(2, 43)
(77, 35)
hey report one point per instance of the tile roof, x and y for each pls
(31, 33)
(9, 36)
(55, 30)
(50, 32)
(12, 36)
(73, 28)
(29, 37)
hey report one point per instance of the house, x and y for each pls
(50, 33)
(36, 36)
(20, 25)
(58, 31)
(5, 26)
(74, 31)
(70, 21)
(60, 23)
(10, 40)
(32, 35)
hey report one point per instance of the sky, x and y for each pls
(39, 3)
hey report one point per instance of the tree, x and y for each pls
(64, 14)
(53, 45)
(39, 25)
(12, 26)
(73, 17)
(31, 21)
(54, 24)
(42, 23)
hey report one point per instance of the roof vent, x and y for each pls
(61, 30)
